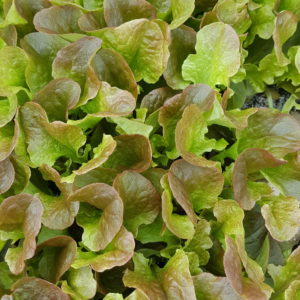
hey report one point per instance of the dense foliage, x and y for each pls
(134, 163)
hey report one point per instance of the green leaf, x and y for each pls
(117, 253)
(73, 61)
(133, 152)
(131, 126)
(183, 40)
(286, 25)
(110, 101)
(181, 11)
(270, 69)
(7, 175)
(210, 287)
(8, 109)
(58, 19)
(230, 217)
(173, 108)
(13, 16)
(57, 97)
(286, 276)
(59, 212)
(117, 12)
(101, 215)
(143, 279)
(263, 258)
(286, 176)
(8, 138)
(190, 138)
(114, 296)
(251, 161)
(155, 232)
(144, 45)
(57, 255)
(291, 5)
(7, 279)
(111, 67)
(80, 284)
(47, 233)
(178, 284)
(23, 221)
(13, 65)
(293, 291)
(101, 155)
(180, 225)
(35, 287)
(249, 288)
(217, 57)
(293, 73)
(282, 216)
(262, 17)
(49, 141)
(234, 13)
(140, 198)
(99, 174)
(41, 49)
(270, 130)
(195, 187)
(163, 8)
(200, 242)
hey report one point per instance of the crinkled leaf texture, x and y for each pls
(34, 288)
(49, 141)
(217, 57)
(99, 228)
(117, 253)
(149, 149)
(143, 43)
(20, 217)
(140, 198)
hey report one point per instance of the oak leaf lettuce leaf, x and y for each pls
(7, 175)
(183, 40)
(41, 49)
(80, 284)
(49, 141)
(217, 56)
(111, 67)
(250, 161)
(132, 153)
(250, 288)
(286, 25)
(141, 200)
(286, 276)
(33, 287)
(58, 20)
(195, 187)
(100, 214)
(282, 216)
(270, 130)
(13, 65)
(20, 219)
(56, 256)
(171, 112)
(181, 226)
(110, 101)
(58, 97)
(74, 62)
(144, 45)
(208, 286)
(117, 12)
(117, 253)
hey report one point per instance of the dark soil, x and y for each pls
(261, 100)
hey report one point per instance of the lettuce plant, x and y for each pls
(149, 150)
